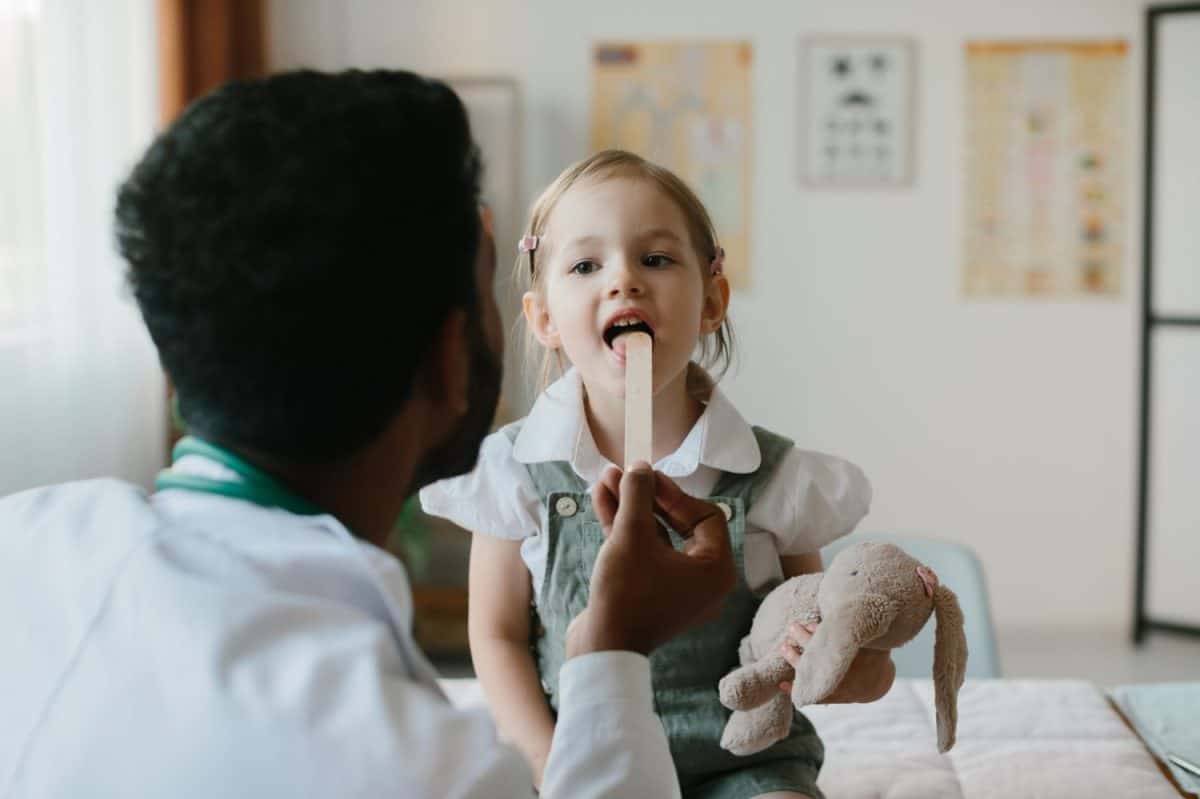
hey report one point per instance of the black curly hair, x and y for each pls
(294, 243)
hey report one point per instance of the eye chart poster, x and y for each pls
(1046, 151)
(685, 105)
(856, 104)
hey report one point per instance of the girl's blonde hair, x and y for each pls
(716, 349)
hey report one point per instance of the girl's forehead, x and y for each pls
(612, 205)
(600, 188)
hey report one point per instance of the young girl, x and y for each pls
(617, 244)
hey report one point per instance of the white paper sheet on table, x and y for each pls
(1167, 716)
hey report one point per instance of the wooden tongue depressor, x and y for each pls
(639, 377)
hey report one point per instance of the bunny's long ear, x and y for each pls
(949, 664)
(833, 647)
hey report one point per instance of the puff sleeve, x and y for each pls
(496, 498)
(811, 500)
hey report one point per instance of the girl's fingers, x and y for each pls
(801, 634)
(791, 653)
(797, 638)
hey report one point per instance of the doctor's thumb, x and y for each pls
(636, 504)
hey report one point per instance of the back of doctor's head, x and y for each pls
(294, 243)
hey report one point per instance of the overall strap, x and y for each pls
(550, 476)
(772, 448)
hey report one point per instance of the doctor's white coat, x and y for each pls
(192, 645)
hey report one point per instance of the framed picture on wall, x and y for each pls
(856, 110)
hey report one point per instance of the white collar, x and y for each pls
(556, 429)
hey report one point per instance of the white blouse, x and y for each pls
(811, 499)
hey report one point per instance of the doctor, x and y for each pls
(308, 255)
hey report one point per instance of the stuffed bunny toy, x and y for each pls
(873, 595)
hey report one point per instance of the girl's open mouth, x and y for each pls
(615, 331)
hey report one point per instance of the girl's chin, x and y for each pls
(605, 372)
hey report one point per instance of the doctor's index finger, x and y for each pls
(611, 479)
(684, 512)
(709, 537)
(604, 497)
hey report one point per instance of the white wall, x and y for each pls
(1008, 425)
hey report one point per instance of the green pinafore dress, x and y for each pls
(685, 671)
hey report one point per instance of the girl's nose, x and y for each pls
(625, 279)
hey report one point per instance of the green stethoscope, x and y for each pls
(252, 484)
(255, 485)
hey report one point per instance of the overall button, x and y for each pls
(566, 507)
(725, 509)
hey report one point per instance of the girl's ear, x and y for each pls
(716, 304)
(537, 316)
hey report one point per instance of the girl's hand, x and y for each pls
(869, 677)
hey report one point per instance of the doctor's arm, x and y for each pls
(608, 742)
(372, 728)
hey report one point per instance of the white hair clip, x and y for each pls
(527, 244)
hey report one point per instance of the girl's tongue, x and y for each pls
(617, 338)
(621, 343)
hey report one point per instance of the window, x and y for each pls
(22, 254)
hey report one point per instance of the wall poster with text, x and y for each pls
(686, 106)
(1046, 168)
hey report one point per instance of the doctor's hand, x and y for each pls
(869, 677)
(643, 592)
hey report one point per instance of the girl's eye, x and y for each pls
(584, 267)
(657, 259)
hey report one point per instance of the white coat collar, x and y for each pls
(556, 430)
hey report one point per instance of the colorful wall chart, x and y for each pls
(1047, 141)
(685, 105)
